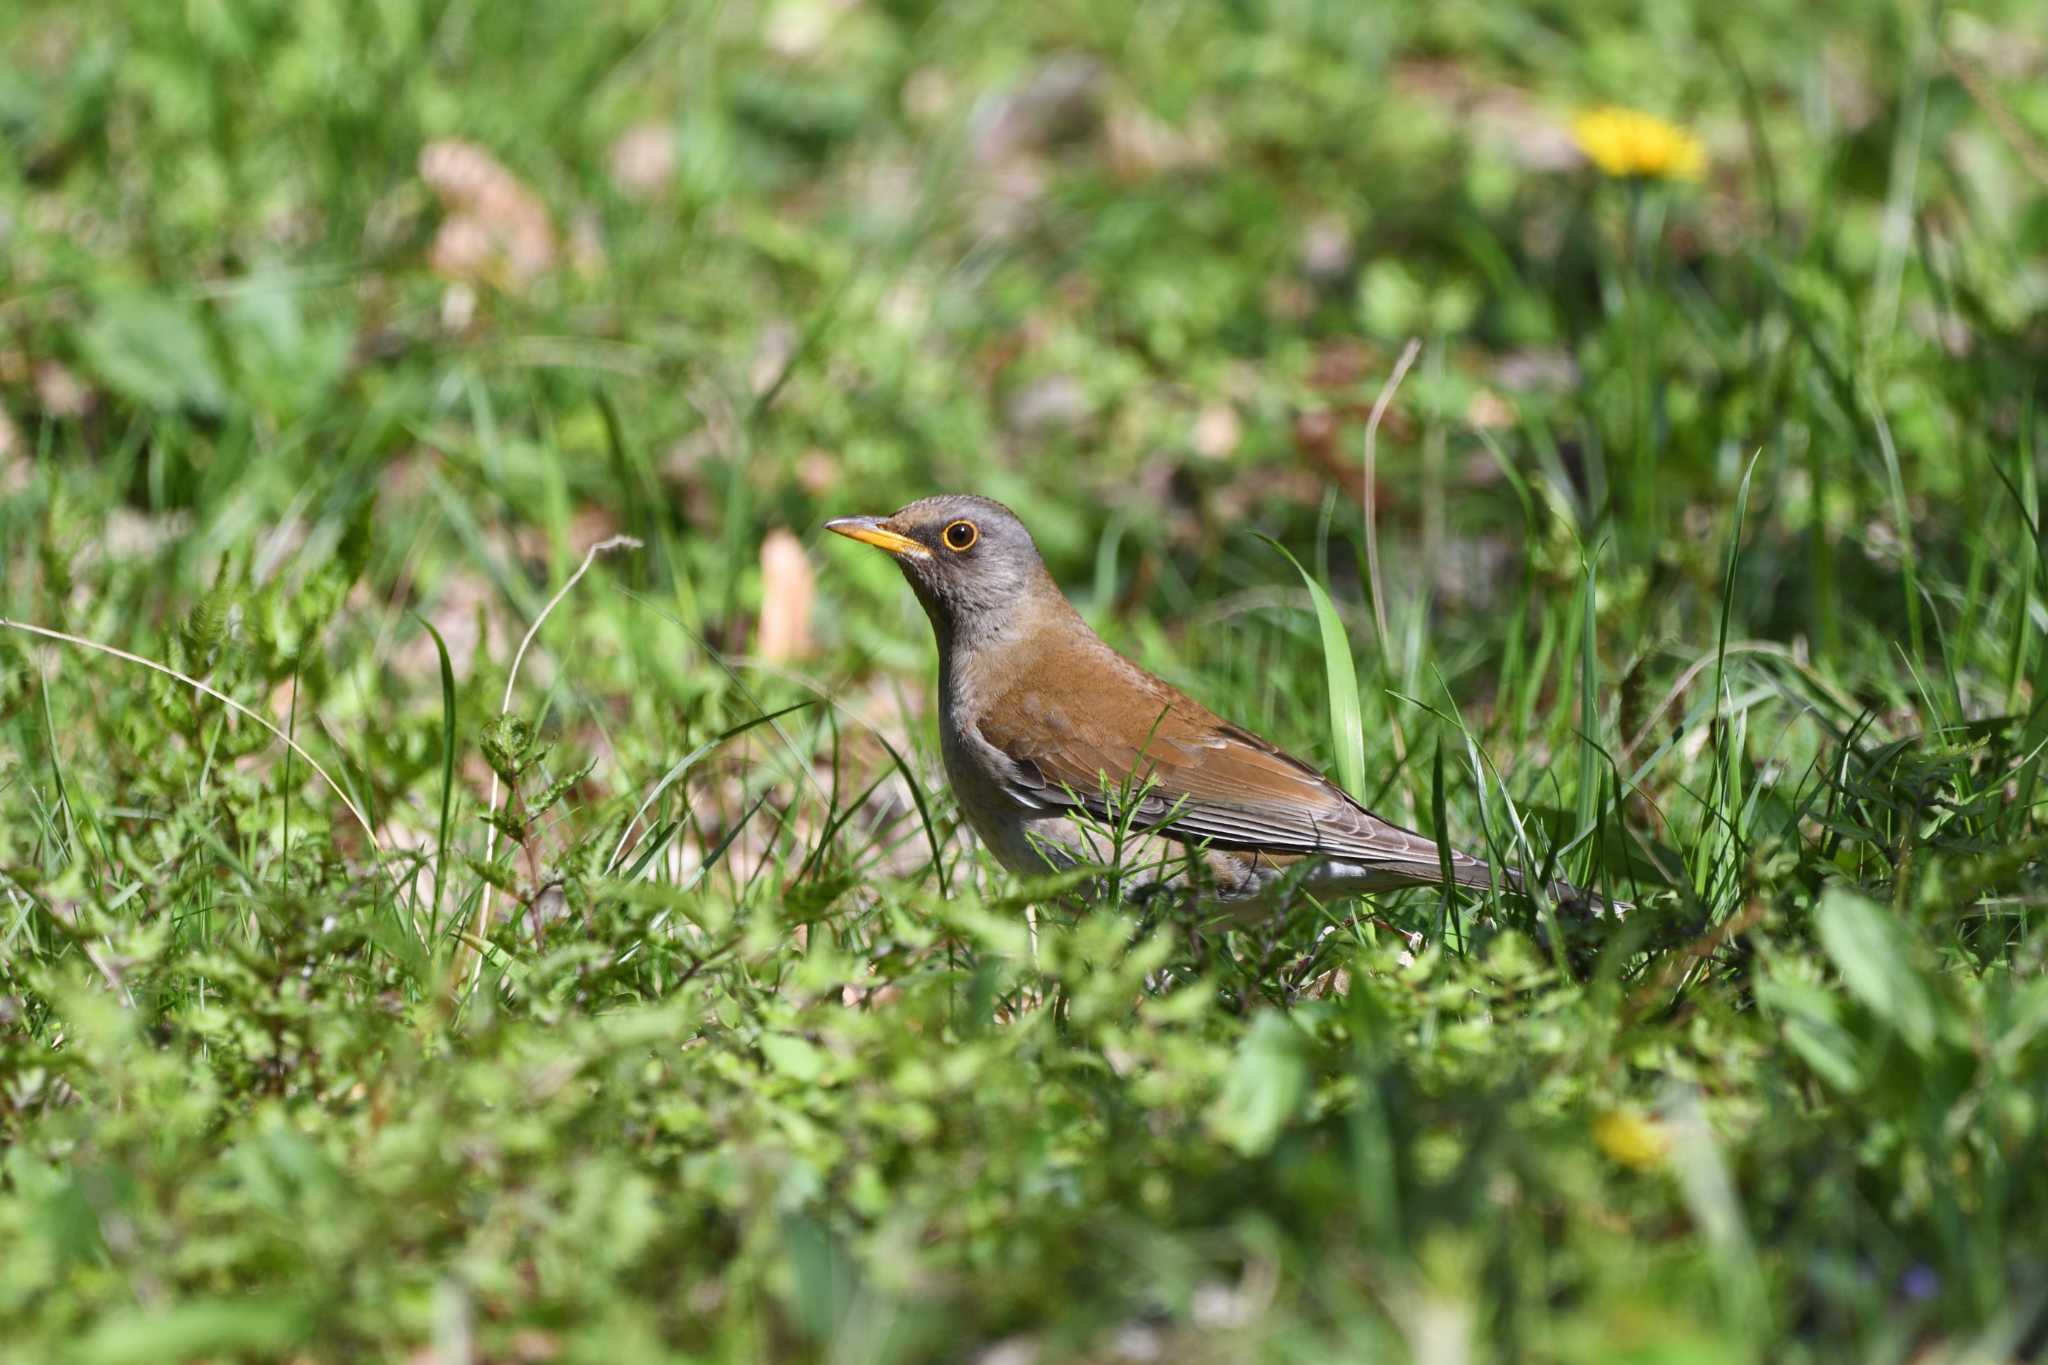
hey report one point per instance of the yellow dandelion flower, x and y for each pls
(1632, 145)
(1632, 1139)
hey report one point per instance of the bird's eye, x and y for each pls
(961, 535)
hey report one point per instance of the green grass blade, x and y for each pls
(1440, 823)
(447, 771)
(682, 766)
(924, 813)
(1589, 703)
(1347, 726)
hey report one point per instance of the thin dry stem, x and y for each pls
(1372, 440)
(2024, 144)
(481, 932)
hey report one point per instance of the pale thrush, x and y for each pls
(1060, 751)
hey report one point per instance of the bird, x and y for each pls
(1061, 753)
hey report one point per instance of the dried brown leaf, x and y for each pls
(788, 588)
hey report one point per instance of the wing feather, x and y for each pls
(1201, 777)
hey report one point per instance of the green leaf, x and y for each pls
(1874, 955)
(1811, 1019)
(198, 1327)
(283, 363)
(1347, 725)
(1265, 1087)
(153, 351)
(507, 824)
(511, 746)
(794, 1057)
(498, 874)
(557, 789)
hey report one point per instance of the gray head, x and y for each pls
(970, 561)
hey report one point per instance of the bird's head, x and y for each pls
(970, 561)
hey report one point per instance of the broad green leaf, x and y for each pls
(794, 1057)
(1265, 1087)
(1873, 953)
(153, 351)
(282, 362)
(219, 1328)
(1347, 725)
(1812, 1022)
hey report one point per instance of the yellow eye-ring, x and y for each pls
(960, 536)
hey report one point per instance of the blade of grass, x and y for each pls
(1728, 581)
(684, 764)
(447, 770)
(284, 850)
(1347, 727)
(2026, 496)
(1589, 702)
(1719, 795)
(1441, 830)
(1902, 519)
(924, 812)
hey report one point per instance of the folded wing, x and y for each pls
(1170, 762)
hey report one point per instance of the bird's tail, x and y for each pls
(1571, 899)
(1466, 871)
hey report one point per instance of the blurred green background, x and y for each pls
(640, 1016)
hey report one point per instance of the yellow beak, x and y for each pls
(870, 531)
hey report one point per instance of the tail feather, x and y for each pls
(1573, 899)
(1478, 875)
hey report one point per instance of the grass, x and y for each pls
(658, 1007)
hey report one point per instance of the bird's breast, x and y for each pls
(974, 772)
